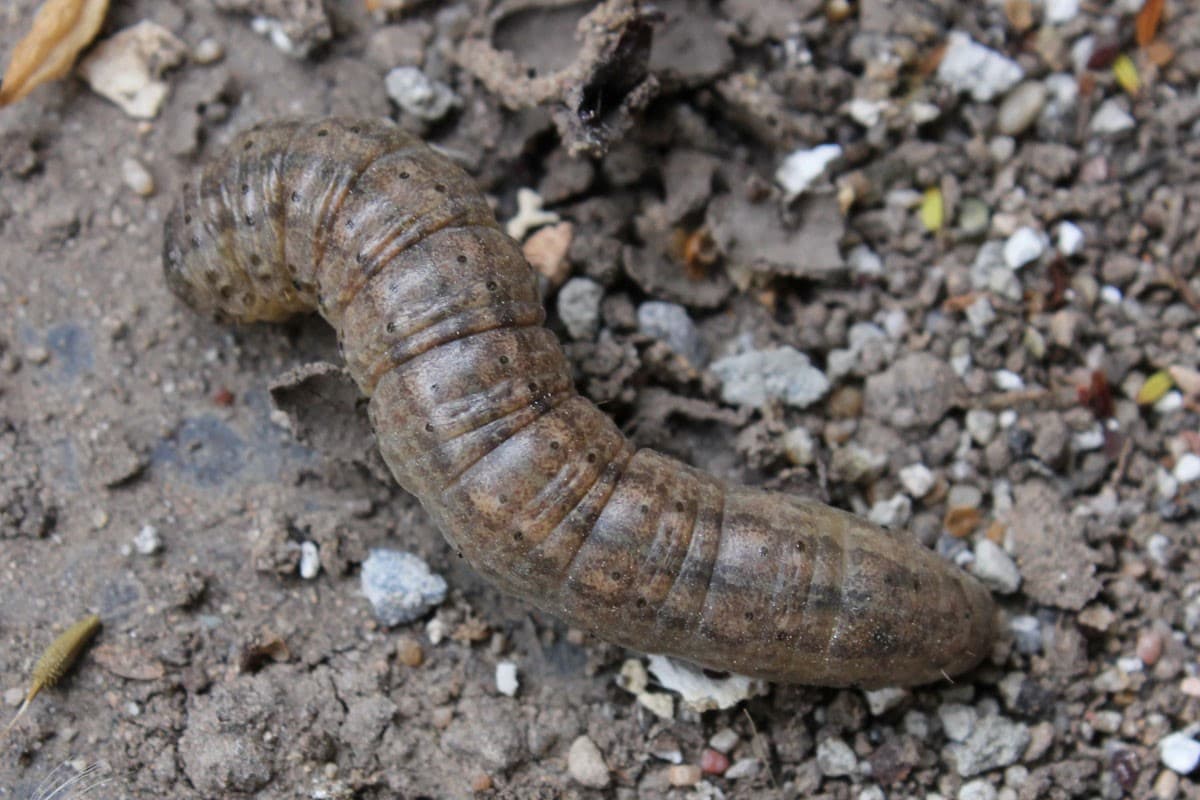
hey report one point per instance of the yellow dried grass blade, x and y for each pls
(933, 210)
(61, 28)
(62, 653)
(1126, 74)
(1154, 388)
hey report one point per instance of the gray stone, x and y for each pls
(968, 66)
(400, 586)
(782, 373)
(1027, 634)
(579, 307)
(916, 391)
(419, 95)
(995, 567)
(835, 758)
(1021, 108)
(994, 742)
(586, 764)
(1179, 752)
(670, 323)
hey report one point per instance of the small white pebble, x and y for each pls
(881, 701)
(1165, 484)
(436, 631)
(1187, 468)
(1060, 11)
(1007, 380)
(14, 696)
(208, 51)
(310, 560)
(1111, 295)
(802, 167)
(724, 740)
(1091, 439)
(529, 214)
(917, 480)
(37, 355)
(137, 177)
(1070, 238)
(1025, 246)
(506, 678)
(1171, 401)
(1179, 752)
(147, 542)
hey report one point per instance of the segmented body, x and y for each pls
(440, 323)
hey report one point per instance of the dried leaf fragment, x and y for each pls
(1154, 388)
(933, 213)
(1126, 74)
(61, 28)
(1147, 21)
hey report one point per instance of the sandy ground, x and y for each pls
(220, 672)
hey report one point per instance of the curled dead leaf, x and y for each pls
(61, 28)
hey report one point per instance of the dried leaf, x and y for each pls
(1126, 73)
(1159, 53)
(61, 28)
(1154, 388)
(933, 210)
(1147, 21)
(961, 521)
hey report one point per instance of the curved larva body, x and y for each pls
(439, 320)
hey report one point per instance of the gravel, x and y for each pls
(802, 167)
(400, 586)
(670, 323)
(995, 567)
(835, 758)
(586, 764)
(970, 67)
(783, 373)
(1179, 752)
(419, 95)
(579, 307)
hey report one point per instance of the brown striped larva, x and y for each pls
(472, 401)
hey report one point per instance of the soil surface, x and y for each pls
(976, 319)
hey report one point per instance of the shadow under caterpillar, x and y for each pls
(439, 321)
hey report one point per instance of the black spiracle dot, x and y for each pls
(748, 616)
(323, 132)
(440, 188)
(764, 551)
(503, 499)
(533, 387)
(641, 602)
(643, 509)
(250, 220)
(615, 575)
(255, 260)
(518, 536)
(491, 286)
(916, 584)
(460, 554)
(211, 276)
(245, 188)
(390, 327)
(780, 636)
(679, 506)
(801, 546)
(429, 427)
(461, 259)
(503, 359)
(295, 197)
(554, 445)
(591, 458)
(248, 144)
(404, 175)
(195, 241)
(187, 219)
(355, 129)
